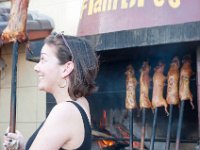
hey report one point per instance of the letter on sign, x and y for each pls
(174, 3)
(159, 3)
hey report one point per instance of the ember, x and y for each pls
(105, 143)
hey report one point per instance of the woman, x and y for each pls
(67, 69)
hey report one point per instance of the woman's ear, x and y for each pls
(68, 67)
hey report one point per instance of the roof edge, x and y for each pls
(187, 32)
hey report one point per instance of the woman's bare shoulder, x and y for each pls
(58, 125)
(67, 111)
(62, 109)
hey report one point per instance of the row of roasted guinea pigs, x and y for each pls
(178, 82)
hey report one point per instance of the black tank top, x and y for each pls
(86, 145)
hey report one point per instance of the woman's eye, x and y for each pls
(42, 59)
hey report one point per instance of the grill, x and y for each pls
(176, 131)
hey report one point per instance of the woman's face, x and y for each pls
(48, 69)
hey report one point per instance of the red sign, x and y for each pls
(103, 16)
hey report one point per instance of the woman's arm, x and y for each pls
(57, 129)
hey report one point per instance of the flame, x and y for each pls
(105, 143)
(103, 120)
(126, 135)
(108, 143)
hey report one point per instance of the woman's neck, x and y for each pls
(61, 95)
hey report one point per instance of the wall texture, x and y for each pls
(65, 13)
(31, 103)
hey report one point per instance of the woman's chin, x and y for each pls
(41, 88)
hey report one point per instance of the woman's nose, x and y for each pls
(36, 67)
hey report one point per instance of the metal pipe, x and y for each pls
(12, 124)
(143, 128)
(154, 129)
(131, 129)
(198, 91)
(180, 120)
(146, 140)
(167, 146)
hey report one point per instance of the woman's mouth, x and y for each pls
(40, 77)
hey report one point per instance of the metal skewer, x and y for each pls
(131, 129)
(179, 125)
(198, 94)
(154, 129)
(143, 128)
(167, 146)
(12, 124)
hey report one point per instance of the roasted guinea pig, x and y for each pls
(184, 84)
(144, 86)
(173, 80)
(158, 86)
(131, 83)
(16, 28)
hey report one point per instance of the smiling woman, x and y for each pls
(67, 69)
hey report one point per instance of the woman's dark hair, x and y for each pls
(78, 50)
